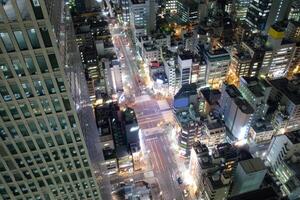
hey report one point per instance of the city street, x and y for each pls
(152, 116)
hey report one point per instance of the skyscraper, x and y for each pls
(262, 14)
(42, 151)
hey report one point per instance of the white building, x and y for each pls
(217, 66)
(237, 112)
(185, 61)
(278, 55)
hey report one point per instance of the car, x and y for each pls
(185, 193)
(179, 180)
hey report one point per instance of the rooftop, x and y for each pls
(261, 126)
(200, 148)
(185, 56)
(290, 88)
(150, 47)
(211, 95)
(294, 136)
(252, 165)
(138, 1)
(243, 105)
(267, 193)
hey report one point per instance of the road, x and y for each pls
(78, 86)
(152, 115)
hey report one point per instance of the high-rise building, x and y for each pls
(241, 7)
(279, 54)
(43, 154)
(125, 11)
(294, 13)
(237, 112)
(185, 61)
(258, 13)
(283, 158)
(262, 14)
(217, 66)
(287, 93)
(248, 176)
(256, 92)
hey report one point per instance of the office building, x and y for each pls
(187, 117)
(256, 92)
(169, 62)
(262, 14)
(237, 112)
(286, 92)
(142, 17)
(43, 154)
(279, 53)
(292, 31)
(185, 61)
(257, 14)
(214, 131)
(240, 64)
(217, 66)
(283, 158)
(248, 176)
(261, 131)
(125, 11)
(294, 14)
(241, 7)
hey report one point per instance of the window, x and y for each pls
(40, 143)
(23, 9)
(53, 62)
(72, 121)
(16, 91)
(3, 135)
(61, 85)
(68, 137)
(55, 155)
(33, 38)
(11, 149)
(7, 42)
(30, 65)
(18, 67)
(39, 88)
(49, 141)
(59, 140)
(33, 127)
(35, 108)
(21, 147)
(46, 106)
(12, 131)
(23, 130)
(42, 63)
(43, 125)
(37, 9)
(4, 115)
(20, 40)
(6, 71)
(64, 153)
(52, 123)
(56, 104)
(50, 86)
(4, 93)
(31, 145)
(63, 122)
(19, 162)
(47, 157)
(66, 103)
(27, 89)
(46, 37)
(9, 10)
(14, 112)
(25, 110)
(38, 159)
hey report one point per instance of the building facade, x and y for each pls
(43, 154)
